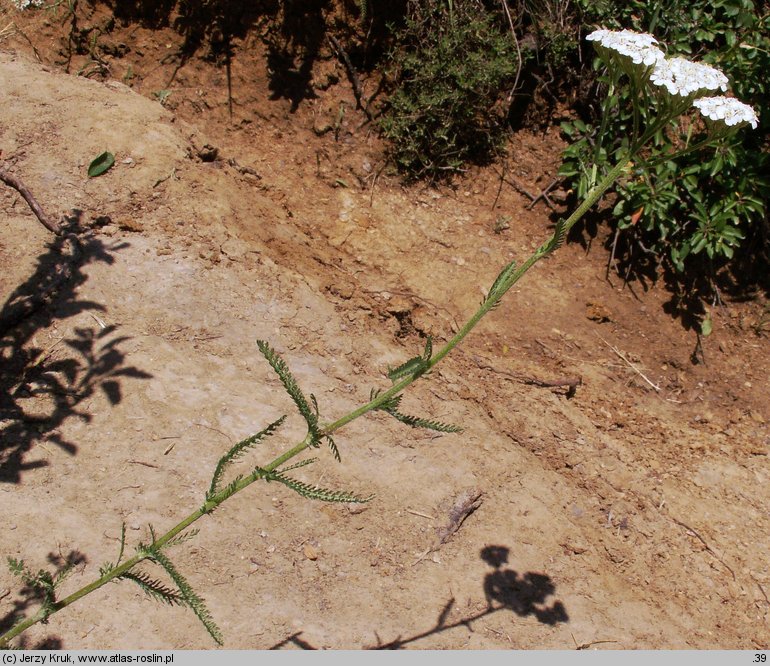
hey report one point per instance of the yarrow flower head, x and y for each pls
(684, 77)
(727, 109)
(640, 47)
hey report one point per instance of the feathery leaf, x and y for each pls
(155, 589)
(335, 451)
(303, 463)
(181, 538)
(290, 384)
(122, 542)
(416, 366)
(228, 491)
(417, 422)
(238, 450)
(391, 403)
(558, 235)
(315, 492)
(428, 352)
(191, 599)
(498, 286)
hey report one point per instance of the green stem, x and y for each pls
(260, 473)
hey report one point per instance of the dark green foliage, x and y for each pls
(707, 202)
(391, 407)
(500, 285)
(291, 386)
(452, 66)
(186, 594)
(317, 493)
(415, 366)
(238, 450)
(155, 589)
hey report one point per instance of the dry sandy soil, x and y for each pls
(632, 514)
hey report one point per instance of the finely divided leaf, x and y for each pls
(302, 463)
(335, 451)
(315, 492)
(155, 589)
(417, 422)
(181, 538)
(238, 450)
(497, 289)
(290, 384)
(414, 366)
(189, 596)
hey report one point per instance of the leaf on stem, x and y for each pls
(417, 422)
(291, 386)
(335, 451)
(415, 366)
(316, 492)
(302, 463)
(237, 451)
(391, 407)
(155, 589)
(188, 595)
(500, 285)
(181, 538)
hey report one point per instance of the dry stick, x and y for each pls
(464, 505)
(544, 195)
(630, 365)
(611, 260)
(705, 545)
(570, 382)
(357, 90)
(21, 188)
(518, 53)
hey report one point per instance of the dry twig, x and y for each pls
(21, 188)
(463, 506)
(630, 365)
(355, 82)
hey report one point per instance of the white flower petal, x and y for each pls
(684, 77)
(638, 46)
(727, 109)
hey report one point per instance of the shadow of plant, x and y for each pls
(40, 387)
(505, 589)
(33, 596)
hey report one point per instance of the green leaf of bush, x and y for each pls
(101, 164)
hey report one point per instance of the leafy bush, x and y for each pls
(453, 61)
(705, 203)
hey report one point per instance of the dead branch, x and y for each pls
(571, 383)
(21, 188)
(463, 506)
(354, 80)
(705, 545)
(630, 365)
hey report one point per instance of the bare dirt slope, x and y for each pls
(626, 513)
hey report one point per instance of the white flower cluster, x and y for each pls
(26, 4)
(638, 46)
(683, 77)
(727, 109)
(641, 57)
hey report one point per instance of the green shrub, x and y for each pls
(705, 203)
(453, 62)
